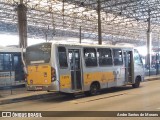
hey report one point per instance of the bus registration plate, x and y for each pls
(39, 88)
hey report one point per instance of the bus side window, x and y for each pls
(105, 57)
(90, 57)
(16, 62)
(137, 58)
(62, 57)
(1, 61)
(117, 55)
(7, 63)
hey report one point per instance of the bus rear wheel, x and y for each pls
(137, 83)
(94, 89)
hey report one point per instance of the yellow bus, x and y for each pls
(74, 68)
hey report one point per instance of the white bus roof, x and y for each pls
(93, 45)
(86, 45)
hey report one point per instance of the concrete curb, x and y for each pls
(12, 87)
(151, 79)
(21, 99)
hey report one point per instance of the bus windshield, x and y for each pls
(38, 54)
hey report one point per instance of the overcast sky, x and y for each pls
(14, 40)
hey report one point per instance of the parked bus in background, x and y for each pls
(11, 67)
(81, 68)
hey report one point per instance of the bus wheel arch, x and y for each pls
(94, 88)
(137, 82)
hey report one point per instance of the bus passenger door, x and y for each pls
(128, 60)
(18, 68)
(75, 68)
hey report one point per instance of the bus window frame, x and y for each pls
(110, 57)
(84, 58)
(140, 59)
(10, 62)
(114, 57)
(66, 50)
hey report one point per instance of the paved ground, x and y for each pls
(9, 92)
(145, 98)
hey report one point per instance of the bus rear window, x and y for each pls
(38, 54)
(62, 57)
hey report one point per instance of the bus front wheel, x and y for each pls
(137, 83)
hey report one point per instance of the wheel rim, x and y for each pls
(138, 82)
(94, 89)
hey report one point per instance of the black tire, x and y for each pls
(71, 95)
(94, 89)
(137, 83)
(87, 93)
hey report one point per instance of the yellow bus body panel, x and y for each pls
(65, 81)
(39, 75)
(102, 77)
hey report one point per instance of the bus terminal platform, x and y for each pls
(19, 93)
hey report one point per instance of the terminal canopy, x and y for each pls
(122, 20)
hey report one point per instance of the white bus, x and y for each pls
(82, 68)
(11, 67)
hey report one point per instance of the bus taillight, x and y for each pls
(53, 74)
